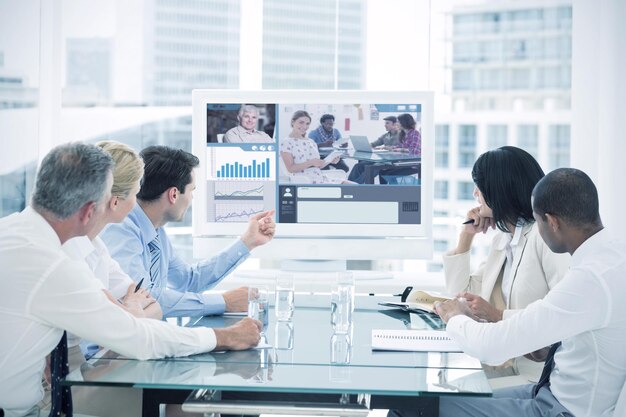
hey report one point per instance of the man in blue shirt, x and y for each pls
(325, 135)
(143, 250)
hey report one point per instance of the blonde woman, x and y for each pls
(116, 283)
(118, 286)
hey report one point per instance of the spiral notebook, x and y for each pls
(413, 341)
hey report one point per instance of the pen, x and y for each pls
(139, 285)
(470, 221)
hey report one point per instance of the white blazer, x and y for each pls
(535, 268)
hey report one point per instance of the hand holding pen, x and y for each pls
(138, 295)
(475, 223)
(139, 285)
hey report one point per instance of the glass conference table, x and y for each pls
(308, 369)
(377, 162)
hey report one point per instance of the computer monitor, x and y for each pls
(253, 159)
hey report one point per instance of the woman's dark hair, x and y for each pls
(165, 167)
(406, 121)
(327, 117)
(506, 177)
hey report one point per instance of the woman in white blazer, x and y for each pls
(520, 268)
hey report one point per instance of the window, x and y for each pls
(463, 80)
(496, 136)
(519, 79)
(467, 145)
(441, 190)
(442, 145)
(491, 79)
(490, 51)
(20, 70)
(465, 190)
(434, 267)
(528, 139)
(440, 245)
(332, 34)
(558, 146)
(464, 52)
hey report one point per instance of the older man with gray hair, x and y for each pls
(43, 292)
(246, 132)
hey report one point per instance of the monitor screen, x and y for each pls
(348, 173)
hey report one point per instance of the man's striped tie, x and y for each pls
(155, 260)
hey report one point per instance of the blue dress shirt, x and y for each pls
(317, 137)
(179, 287)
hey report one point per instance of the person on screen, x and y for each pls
(410, 138)
(44, 293)
(325, 135)
(141, 246)
(391, 137)
(520, 268)
(246, 132)
(410, 142)
(582, 317)
(389, 140)
(300, 154)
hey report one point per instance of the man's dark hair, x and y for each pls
(506, 177)
(391, 119)
(569, 194)
(327, 117)
(165, 167)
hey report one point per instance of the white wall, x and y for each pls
(599, 102)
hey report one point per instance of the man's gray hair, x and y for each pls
(247, 108)
(71, 176)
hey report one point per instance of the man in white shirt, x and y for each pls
(585, 311)
(43, 292)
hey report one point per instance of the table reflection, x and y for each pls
(283, 335)
(255, 365)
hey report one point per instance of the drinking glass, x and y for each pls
(258, 304)
(284, 303)
(342, 303)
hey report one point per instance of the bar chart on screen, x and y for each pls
(241, 163)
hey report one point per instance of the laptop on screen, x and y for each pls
(361, 144)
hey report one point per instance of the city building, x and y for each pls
(506, 81)
(314, 45)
